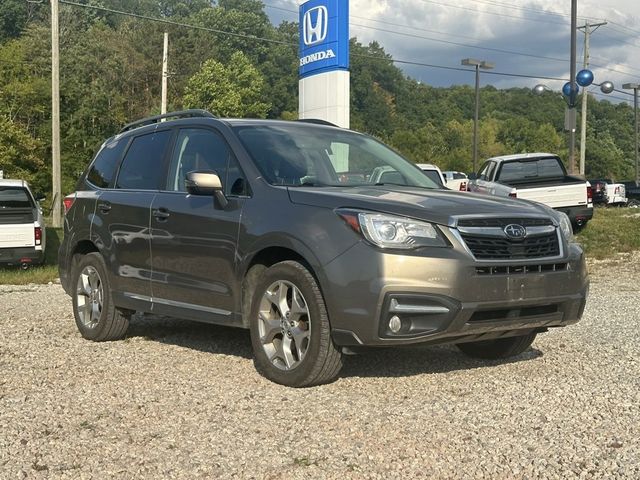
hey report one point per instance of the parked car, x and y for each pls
(248, 223)
(608, 193)
(22, 230)
(433, 172)
(456, 180)
(632, 190)
(540, 177)
(598, 188)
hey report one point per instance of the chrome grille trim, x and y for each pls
(539, 227)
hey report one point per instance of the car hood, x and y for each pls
(437, 206)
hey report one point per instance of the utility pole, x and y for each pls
(587, 28)
(55, 115)
(165, 73)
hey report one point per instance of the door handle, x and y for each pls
(161, 214)
(105, 207)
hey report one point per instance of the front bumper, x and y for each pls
(448, 296)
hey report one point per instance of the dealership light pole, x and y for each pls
(635, 87)
(55, 117)
(571, 112)
(478, 64)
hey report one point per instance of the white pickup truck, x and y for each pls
(540, 177)
(22, 230)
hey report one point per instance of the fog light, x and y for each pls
(395, 324)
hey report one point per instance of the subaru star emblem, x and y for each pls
(515, 232)
(314, 25)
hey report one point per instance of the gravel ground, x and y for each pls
(177, 399)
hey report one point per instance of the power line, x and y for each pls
(252, 37)
(171, 22)
(459, 44)
(522, 18)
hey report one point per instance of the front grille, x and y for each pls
(486, 247)
(503, 222)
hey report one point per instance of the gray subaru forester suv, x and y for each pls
(317, 239)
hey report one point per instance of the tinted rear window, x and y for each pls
(142, 165)
(530, 169)
(104, 167)
(433, 175)
(14, 197)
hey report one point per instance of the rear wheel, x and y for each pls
(96, 316)
(498, 348)
(290, 331)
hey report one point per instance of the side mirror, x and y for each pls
(206, 183)
(472, 176)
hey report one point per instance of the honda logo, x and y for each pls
(314, 25)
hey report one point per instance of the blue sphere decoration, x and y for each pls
(566, 89)
(584, 78)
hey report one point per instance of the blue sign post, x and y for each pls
(324, 61)
(324, 36)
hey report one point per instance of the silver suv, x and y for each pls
(282, 228)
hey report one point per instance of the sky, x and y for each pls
(518, 36)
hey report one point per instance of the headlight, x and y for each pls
(565, 226)
(390, 231)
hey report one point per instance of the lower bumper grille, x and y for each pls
(522, 269)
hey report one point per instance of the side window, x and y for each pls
(104, 166)
(200, 149)
(142, 165)
(482, 174)
(491, 170)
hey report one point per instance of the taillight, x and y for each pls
(37, 234)
(589, 194)
(68, 202)
(463, 186)
(513, 194)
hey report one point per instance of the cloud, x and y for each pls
(512, 35)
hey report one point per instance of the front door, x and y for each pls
(194, 239)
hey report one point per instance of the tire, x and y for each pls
(96, 316)
(290, 331)
(498, 348)
(633, 203)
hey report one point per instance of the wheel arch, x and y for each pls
(264, 258)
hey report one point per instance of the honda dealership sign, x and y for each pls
(324, 36)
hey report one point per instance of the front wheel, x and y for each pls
(498, 348)
(290, 331)
(96, 316)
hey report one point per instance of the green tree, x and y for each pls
(21, 155)
(233, 90)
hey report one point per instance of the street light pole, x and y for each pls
(478, 64)
(635, 87)
(572, 80)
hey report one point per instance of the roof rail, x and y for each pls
(317, 121)
(157, 118)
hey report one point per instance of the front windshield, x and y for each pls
(299, 154)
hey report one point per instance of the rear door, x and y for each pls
(193, 238)
(122, 215)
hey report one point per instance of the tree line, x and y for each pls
(110, 74)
